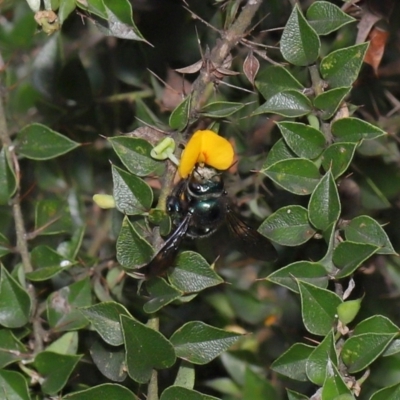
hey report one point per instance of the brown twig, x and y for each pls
(22, 244)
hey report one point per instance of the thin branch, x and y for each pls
(152, 389)
(221, 51)
(22, 244)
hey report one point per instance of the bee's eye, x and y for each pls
(196, 188)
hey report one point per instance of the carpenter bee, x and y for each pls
(198, 206)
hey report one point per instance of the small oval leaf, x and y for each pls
(200, 343)
(289, 226)
(38, 142)
(300, 44)
(299, 176)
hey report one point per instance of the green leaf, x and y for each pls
(257, 387)
(348, 256)
(324, 205)
(226, 386)
(364, 229)
(200, 343)
(11, 350)
(113, 24)
(305, 141)
(298, 176)
(192, 273)
(360, 351)
(376, 331)
(318, 308)
(292, 363)
(42, 274)
(179, 117)
(328, 102)
(161, 294)
(146, 114)
(132, 195)
(178, 392)
(300, 44)
(45, 256)
(104, 391)
(15, 302)
(122, 10)
(324, 353)
(5, 247)
(96, 7)
(132, 249)
(337, 157)
(65, 344)
(276, 79)
(387, 393)
(109, 360)
(289, 226)
(289, 103)
(221, 109)
(376, 324)
(66, 8)
(63, 306)
(38, 142)
(105, 319)
(341, 67)
(354, 130)
(69, 249)
(146, 349)
(292, 395)
(8, 182)
(326, 17)
(14, 386)
(334, 386)
(248, 306)
(55, 369)
(52, 216)
(393, 348)
(135, 154)
(305, 271)
(279, 151)
(47, 263)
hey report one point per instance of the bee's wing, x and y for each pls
(165, 257)
(248, 239)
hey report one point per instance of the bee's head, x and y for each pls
(205, 182)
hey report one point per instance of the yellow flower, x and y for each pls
(206, 147)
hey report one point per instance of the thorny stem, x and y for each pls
(222, 49)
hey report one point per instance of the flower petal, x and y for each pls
(190, 155)
(206, 147)
(216, 150)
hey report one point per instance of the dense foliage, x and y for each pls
(98, 99)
